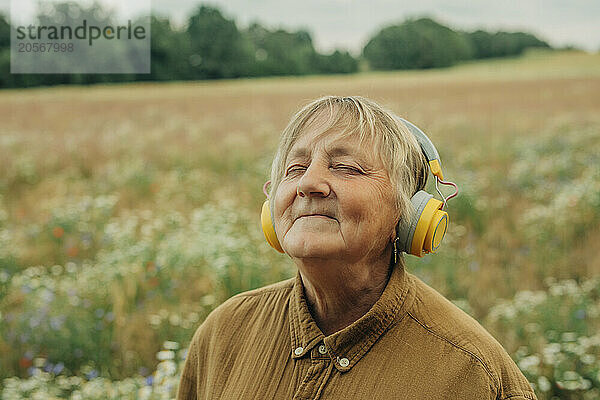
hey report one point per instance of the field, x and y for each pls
(128, 212)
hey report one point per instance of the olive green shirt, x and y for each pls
(412, 344)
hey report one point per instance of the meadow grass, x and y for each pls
(128, 212)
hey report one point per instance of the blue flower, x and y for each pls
(109, 316)
(92, 374)
(58, 368)
(56, 322)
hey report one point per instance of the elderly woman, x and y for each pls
(347, 184)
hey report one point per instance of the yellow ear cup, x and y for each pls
(267, 227)
(436, 231)
(430, 229)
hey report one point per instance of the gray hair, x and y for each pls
(400, 152)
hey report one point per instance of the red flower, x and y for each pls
(25, 362)
(57, 232)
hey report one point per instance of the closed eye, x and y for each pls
(294, 169)
(342, 167)
(348, 168)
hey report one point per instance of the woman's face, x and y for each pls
(335, 200)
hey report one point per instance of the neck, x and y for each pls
(339, 293)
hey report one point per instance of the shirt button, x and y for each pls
(322, 349)
(298, 351)
(344, 362)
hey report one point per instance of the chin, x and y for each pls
(311, 246)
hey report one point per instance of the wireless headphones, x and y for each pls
(418, 235)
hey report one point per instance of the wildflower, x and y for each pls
(175, 320)
(39, 362)
(25, 362)
(72, 251)
(544, 384)
(57, 269)
(530, 363)
(58, 232)
(58, 368)
(57, 322)
(588, 359)
(144, 393)
(569, 337)
(154, 319)
(170, 345)
(92, 374)
(165, 355)
(194, 317)
(150, 266)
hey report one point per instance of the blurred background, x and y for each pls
(129, 204)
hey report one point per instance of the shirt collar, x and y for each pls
(352, 342)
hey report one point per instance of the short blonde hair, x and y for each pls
(400, 152)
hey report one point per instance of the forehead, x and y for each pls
(335, 143)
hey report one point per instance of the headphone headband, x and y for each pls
(431, 153)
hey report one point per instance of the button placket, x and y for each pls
(319, 353)
(322, 349)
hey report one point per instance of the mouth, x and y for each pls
(317, 216)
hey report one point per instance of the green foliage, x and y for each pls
(281, 53)
(83, 315)
(63, 14)
(212, 47)
(47, 382)
(4, 33)
(502, 44)
(421, 43)
(219, 50)
(466, 209)
(336, 63)
(170, 52)
(556, 343)
(557, 171)
(424, 43)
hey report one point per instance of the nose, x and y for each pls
(313, 182)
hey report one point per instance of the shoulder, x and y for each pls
(219, 336)
(252, 305)
(269, 290)
(444, 322)
(276, 292)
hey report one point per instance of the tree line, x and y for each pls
(211, 46)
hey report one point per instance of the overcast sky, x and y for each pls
(348, 24)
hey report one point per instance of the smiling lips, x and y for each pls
(317, 215)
